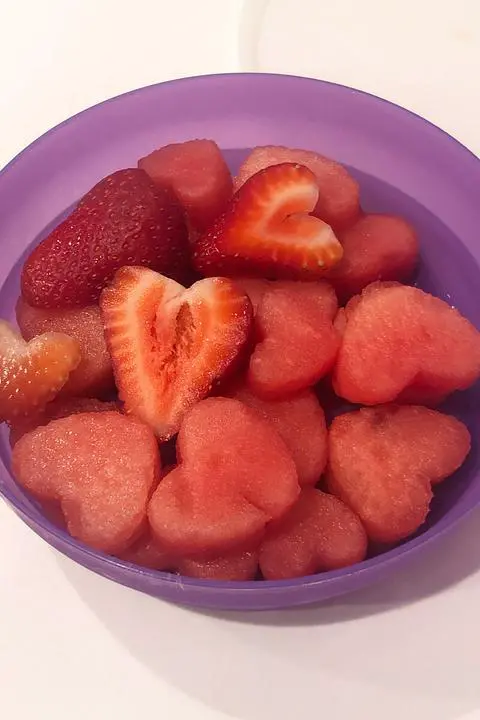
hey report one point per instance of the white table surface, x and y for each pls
(75, 646)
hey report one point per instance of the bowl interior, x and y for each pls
(404, 166)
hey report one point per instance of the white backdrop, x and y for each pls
(75, 646)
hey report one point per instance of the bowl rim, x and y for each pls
(266, 588)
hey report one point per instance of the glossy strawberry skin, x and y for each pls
(124, 220)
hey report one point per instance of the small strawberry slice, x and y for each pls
(267, 230)
(94, 375)
(339, 197)
(168, 344)
(124, 220)
(31, 374)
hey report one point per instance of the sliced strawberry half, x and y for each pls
(267, 230)
(168, 344)
(31, 374)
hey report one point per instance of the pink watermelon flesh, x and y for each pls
(298, 343)
(145, 552)
(300, 422)
(383, 461)
(402, 343)
(339, 202)
(239, 565)
(76, 461)
(235, 475)
(198, 174)
(319, 533)
(59, 408)
(375, 247)
(94, 375)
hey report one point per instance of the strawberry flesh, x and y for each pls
(32, 374)
(168, 344)
(338, 202)
(94, 375)
(267, 230)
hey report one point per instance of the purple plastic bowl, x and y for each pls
(405, 166)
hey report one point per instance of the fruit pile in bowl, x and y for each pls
(233, 379)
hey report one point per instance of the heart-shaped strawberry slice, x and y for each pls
(32, 374)
(267, 230)
(398, 338)
(103, 491)
(235, 475)
(319, 533)
(383, 462)
(168, 344)
(339, 195)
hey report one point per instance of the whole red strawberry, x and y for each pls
(124, 220)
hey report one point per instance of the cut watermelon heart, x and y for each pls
(376, 247)
(300, 422)
(101, 466)
(298, 343)
(235, 475)
(399, 342)
(199, 176)
(383, 461)
(319, 533)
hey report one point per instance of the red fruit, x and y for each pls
(145, 552)
(58, 408)
(298, 343)
(319, 533)
(300, 422)
(94, 375)
(124, 220)
(169, 345)
(383, 461)
(256, 288)
(267, 231)
(238, 566)
(102, 467)
(398, 338)
(338, 202)
(376, 247)
(32, 374)
(235, 475)
(197, 173)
